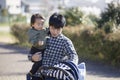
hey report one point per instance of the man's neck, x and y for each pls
(56, 36)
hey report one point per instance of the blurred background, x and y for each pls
(92, 25)
(21, 10)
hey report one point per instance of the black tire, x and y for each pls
(36, 78)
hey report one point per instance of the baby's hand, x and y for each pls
(40, 43)
(37, 57)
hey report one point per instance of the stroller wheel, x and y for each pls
(36, 78)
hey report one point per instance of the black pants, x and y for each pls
(36, 65)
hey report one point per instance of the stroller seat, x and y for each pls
(63, 71)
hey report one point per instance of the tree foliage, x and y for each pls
(73, 16)
(112, 14)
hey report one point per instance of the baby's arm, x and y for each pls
(32, 36)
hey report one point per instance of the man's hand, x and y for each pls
(37, 56)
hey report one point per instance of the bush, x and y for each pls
(19, 31)
(96, 45)
(94, 19)
(108, 27)
(90, 44)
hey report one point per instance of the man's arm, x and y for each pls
(70, 51)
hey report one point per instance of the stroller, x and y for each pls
(61, 71)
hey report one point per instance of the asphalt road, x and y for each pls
(14, 65)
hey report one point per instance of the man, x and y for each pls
(58, 46)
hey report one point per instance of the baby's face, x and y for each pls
(38, 24)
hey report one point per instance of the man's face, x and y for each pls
(38, 24)
(55, 31)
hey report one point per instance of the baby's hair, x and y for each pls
(34, 17)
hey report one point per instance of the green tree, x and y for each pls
(73, 16)
(112, 15)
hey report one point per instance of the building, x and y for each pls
(13, 6)
(47, 7)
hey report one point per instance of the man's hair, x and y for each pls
(57, 20)
(34, 17)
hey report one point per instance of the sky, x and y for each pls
(107, 1)
(89, 6)
(97, 6)
(94, 1)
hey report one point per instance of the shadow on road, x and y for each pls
(14, 49)
(12, 74)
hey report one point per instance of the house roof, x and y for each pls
(33, 2)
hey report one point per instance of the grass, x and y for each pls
(4, 24)
(6, 37)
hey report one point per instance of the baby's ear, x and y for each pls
(32, 24)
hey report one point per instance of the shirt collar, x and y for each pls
(59, 36)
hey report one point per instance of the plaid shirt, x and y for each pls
(57, 48)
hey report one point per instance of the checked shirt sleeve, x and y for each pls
(70, 51)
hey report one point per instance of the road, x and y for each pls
(5, 28)
(14, 65)
(13, 62)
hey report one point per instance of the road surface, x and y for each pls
(14, 65)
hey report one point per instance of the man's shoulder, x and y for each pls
(66, 41)
(65, 38)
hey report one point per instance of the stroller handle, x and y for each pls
(42, 68)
